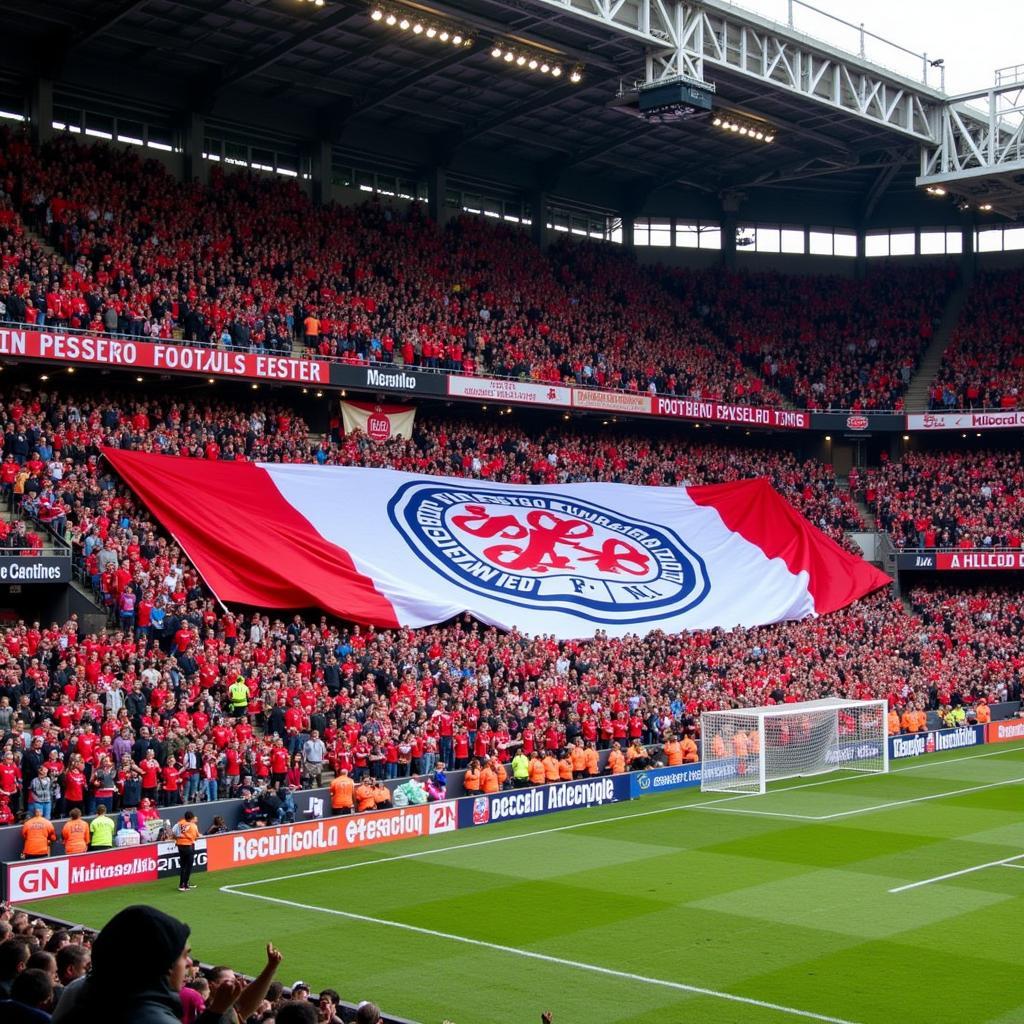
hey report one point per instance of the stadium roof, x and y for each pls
(291, 67)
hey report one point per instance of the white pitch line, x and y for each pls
(1005, 862)
(918, 800)
(546, 958)
(1019, 867)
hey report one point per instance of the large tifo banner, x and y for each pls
(378, 422)
(387, 548)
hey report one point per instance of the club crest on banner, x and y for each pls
(541, 550)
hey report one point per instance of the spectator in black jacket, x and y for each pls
(139, 963)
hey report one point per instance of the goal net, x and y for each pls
(745, 749)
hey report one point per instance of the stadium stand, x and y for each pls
(983, 367)
(374, 284)
(947, 499)
(790, 330)
(166, 663)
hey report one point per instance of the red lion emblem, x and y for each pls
(542, 535)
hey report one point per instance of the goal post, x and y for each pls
(744, 749)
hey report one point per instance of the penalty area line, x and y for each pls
(1006, 862)
(546, 958)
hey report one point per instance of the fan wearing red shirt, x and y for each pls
(170, 783)
(278, 763)
(461, 749)
(73, 785)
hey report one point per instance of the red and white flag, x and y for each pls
(386, 548)
(378, 422)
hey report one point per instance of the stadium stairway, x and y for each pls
(916, 399)
(870, 522)
(92, 616)
(33, 236)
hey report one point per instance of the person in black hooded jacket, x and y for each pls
(139, 963)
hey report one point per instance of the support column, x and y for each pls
(861, 268)
(730, 217)
(321, 168)
(538, 214)
(437, 189)
(195, 168)
(728, 228)
(628, 226)
(968, 259)
(40, 109)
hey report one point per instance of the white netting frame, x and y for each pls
(743, 750)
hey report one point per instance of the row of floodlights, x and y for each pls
(539, 62)
(407, 21)
(938, 190)
(517, 56)
(759, 133)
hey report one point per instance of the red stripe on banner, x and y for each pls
(754, 510)
(278, 560)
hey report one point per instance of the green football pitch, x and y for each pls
(847, 898)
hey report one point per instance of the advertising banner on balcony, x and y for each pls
(164, 357)
(389, 548)
(485, 389)
(997, 419)
(963, 560)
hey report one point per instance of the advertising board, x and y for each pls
(486, 389)
(31, 569)
(1006, 731)
(85, 872)
(660, 780)
(164, 357)
(307, 838)
(404, 380)
(963, 560)
(997, 419)
(709, 411)
(916, 744)
(508, 805)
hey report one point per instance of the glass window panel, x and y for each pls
(901, 243)
(661, 231)
(710, 236)
(990, 240)
(845, 244)
(821, 243)
(768, 240)
(687, 235)
(1013, 238)
(876, 245)
(933, 243)
(792, 240)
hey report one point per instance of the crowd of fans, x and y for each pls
(823, 342)
(224, 700)
(140, 969)
(983, 366)
(948, 500)
(250, 263)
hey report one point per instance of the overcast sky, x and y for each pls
(973, 39)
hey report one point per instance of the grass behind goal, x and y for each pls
(685, 907)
